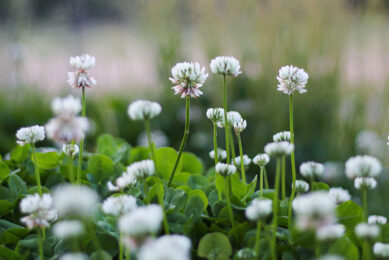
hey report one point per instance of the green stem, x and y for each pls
(266, 180)
(71, 171)
(364, 201)
(150, 140)
(40, 245)
(261, 181)
(183, 142)
(232, 147)
(165, 223)
(120, 247)
(37, 175)
(293, 164)
(275, 209)
(228, 197)
(311, 183)
(216, 154)
(283, 179)
(128, 254)
(242, 170)
(83, 113)
(257, 237)
(226, 125)
(317, 249)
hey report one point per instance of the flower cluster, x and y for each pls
(362, 166)
(225, 169)
(143, 110)
(30, 135)
(166, 247)
(70, 149)
(215, 114)
(259, 209)
(339, 195)
(261, 159)
(282, 136)
(141, 169)
(367, 231)
(246, 160)
(381, 250)
(311, 170)
(40, 210)
(365, 183)
(221, 154)
(68, 229)
(81, 78)
(119, 205)
(240, 126)
(126, 179)
(301, 186)
(379, 220)
(278, 149)
(226, 66)
(292, 79)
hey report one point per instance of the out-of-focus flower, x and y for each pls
(246, 253)
(225, 169)
(240, 126)
(365, 183)
(221, 154)
(331, 257)
(127, 178)
(167, 247)
(282, 136)
(67, 129)
(143, 110)
(301, 186)
(225, 65)
(246, 160)
(367, 231)
(330, 232)
(69, 106)
(40, 210)
(232, 118)
(261, 159)
(119, 205)
(381, 250)
(142, 169)
(30, 134)
(215, 114)
(333, 172)
(74, 199)
(81, 78)
(259, 209)
(339, 195)
(278, 149)
(74, 256)
(292, 79)
(159, 138)
(369, 142)
(362, 166)
(188, 78)
(68, 229)
(379, 220)
(311, 170)
(70, 149)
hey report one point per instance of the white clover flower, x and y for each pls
(81, 78)
(367, 231)
(225, 169)
(70, 149)
(314, 210)
(142, 169)
(221, 154)
(381, 250)
(74, 199)
(339, 195)
(74, 256)
(333, 171)
(246, 160)
(259, 209)
(40, 210)
(67, 129)
(365, 183)
(282, 136)
(292, 79)
(188, 78)
(143, 110)
(379, 220)
(311, 170)
(301, 186)
(362, 166)
(226, 66)
(167, 247)
(232, 118)
(261, 159)
(330, 232)
(119, 205)
(68, 229)
(142, 221)
(159, 139)
(246, 253)
(127, 179)
(30, 134)
(215, 114)
(278, 149)
(69, 106)
(331, 257)
(240, 126)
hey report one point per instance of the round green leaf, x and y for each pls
(191, 163)
(46, 161)
(101, 166)
(214, 246)
(4, 171)
(165, 158)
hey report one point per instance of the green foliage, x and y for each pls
(47, 161)
(165, 158)
(100, 166)
(214, 246)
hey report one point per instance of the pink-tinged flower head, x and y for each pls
(188, 77)
(80, 77)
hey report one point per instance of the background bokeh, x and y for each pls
(343, 45)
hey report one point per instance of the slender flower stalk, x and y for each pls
(275, 209)
(150, 140)
(261, 181)
(40, 245)
(257, 237)
(364, 202)
(83, 114)
(261, 160)
(215, 143)
(232, 147)
(226, 125)
(283, 185)
(121, 250)
(183, 142)
(266, 179)
(37, 175)
(292, 161)
(242, 170)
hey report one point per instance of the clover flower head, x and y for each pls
(379, 220)
(225, 65)
(225, 169)
(83, 62)
(143, 110)
(381, 250)
(261, 159)
(68, 229)
(64, 129)
(70, 149)
(142, 169)
(221, 154)
(246, 253)
(365, 183)
(292, 79)
(30, 134)
(75, 199)
(240, 126)
(81, 78)
(339, 195)
(126, 179)
(367, 231)
(246, 160)
(167, 247)
(330, 232)
(282, 136)
(278, 149)
(301, 186)
(68, 106)
(40, 210)
(232, 118)
(74, 256)
(259, 209)
(119, 205)
(362, 166)
(311, 170)
(215, 114)
(188, 78)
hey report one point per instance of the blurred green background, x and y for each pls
(343, 45)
